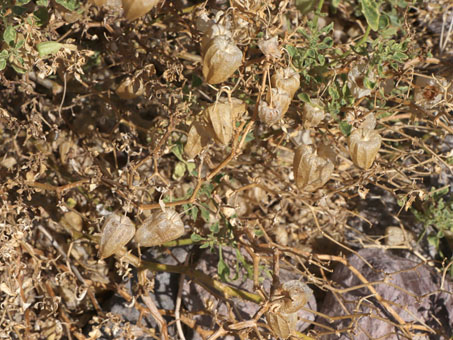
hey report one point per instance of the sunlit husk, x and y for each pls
(116, 233)
(279, 99)
(159, 228)
(281, 324)
(221, 117)
(364, 145)
(267, 114)
(134, 9)
(313, 113)
(297, 296)
(221, 58)
(311, 171)
(197, 139)
(286, 79)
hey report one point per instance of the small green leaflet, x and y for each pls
(48, 47)
(370, 10)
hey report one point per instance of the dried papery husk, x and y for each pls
(297, 294)
(267, 114)
(279, 98)
(270, 48)
(116, 233)
(197, 139)
(281, 324)
(364, 145)
(221, 117)
(221, 59)
(369, 122)
(356, 80)
(286, 79)
(311, 171)
(313, 113)
(159, 228)
(134, 9)
(130, 88)
(214, 30)
(428, 91)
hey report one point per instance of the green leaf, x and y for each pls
(20, 43)
(48, 47)
(345, 128)
(334, 92)
(291, 50)
(214, 228)
(304, 97)
(204, 214)
(327, 28)
(2, 64)
(305, 6)
(178, 150)
(370, 10)
(180, 170)
(9, 36)
(71, 5)
(44, 3)
(22, 2)
(42, 16)
(196, 238)
(335, 3)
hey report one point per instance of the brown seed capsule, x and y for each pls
(221, 117)
(286, 79)
(134, 9)
(159, 228)
(117, 232)
(311, 171)
(297, 294)
(197, 139)
(281, 324)
(364, 145)
(221, 58)
(313, 113)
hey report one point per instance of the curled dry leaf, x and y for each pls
(116, 233)
(286, 79)
(221, 117)
(134, 9)
(311, 171)
(159, 228)
(221, 58)
(130, 88)
(313, 113)
(364, 145)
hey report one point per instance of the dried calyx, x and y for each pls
(311, 168)
(116, 233)
(221, 57)
(282, 316)
(217, 123)
(285, 84)
(134, 9)
(364, 145)
(159, 228)
(313, 113)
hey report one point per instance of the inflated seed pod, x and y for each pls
(356, 80)
(134, 9)
(364, 145)
(159, 228)
(214, 30)
(313, 112)
(221, 116)
(311, 170)
(197, 138)
(116, 233)
(297, 294)
(221, 58)
(267, 114)
(286, 79)
(283, 325)
(279, 99)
